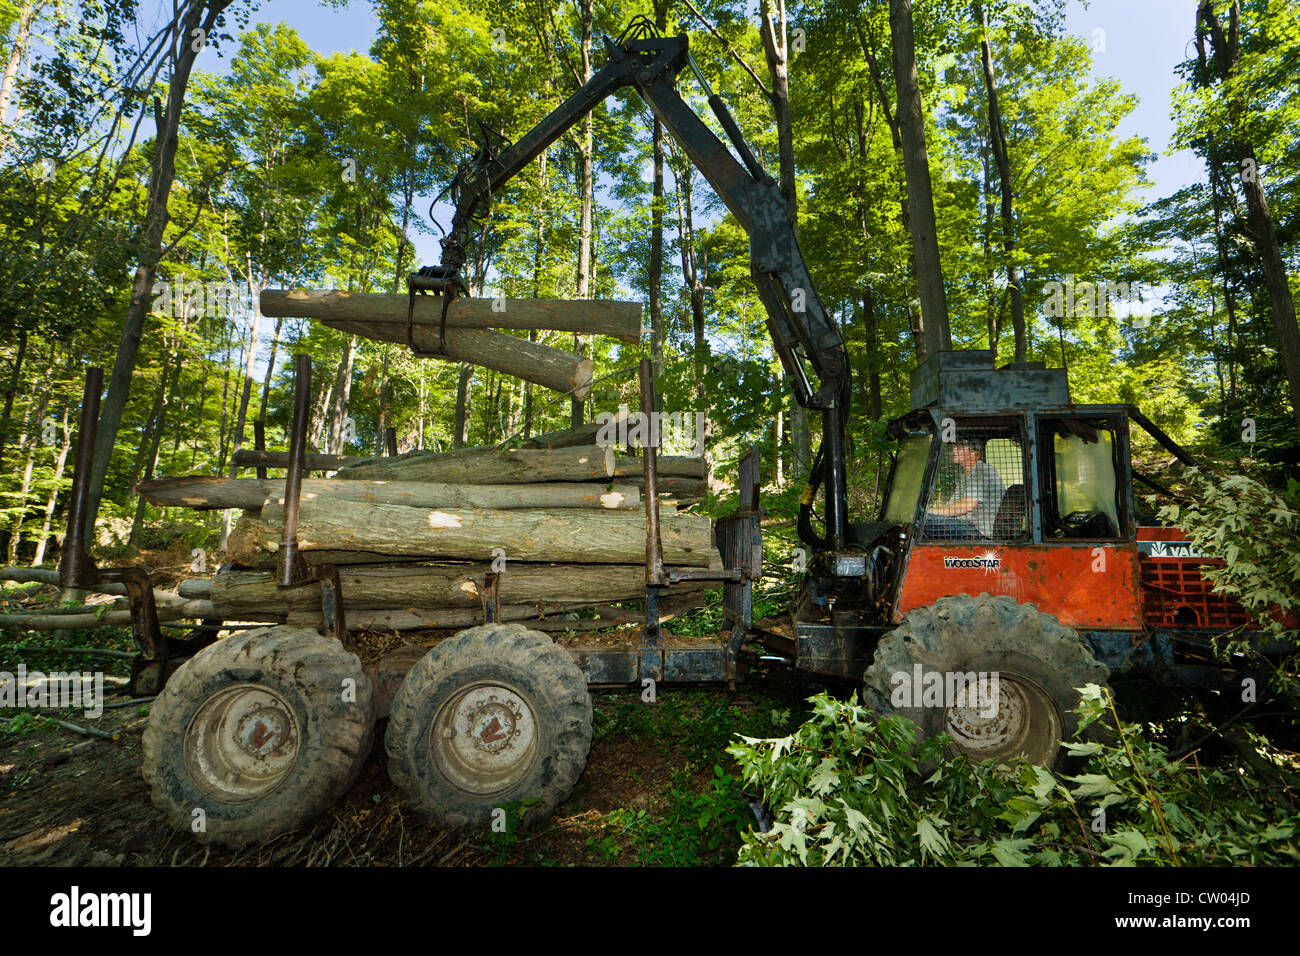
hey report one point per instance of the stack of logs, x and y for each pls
(414, 536)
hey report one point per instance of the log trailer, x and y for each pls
(1051, 579)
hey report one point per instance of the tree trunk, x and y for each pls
(778, 439)
(1229, 296)
(1260, 217)
(460, 430)
(800, 439)
(27, 444)
(15, 375)
(149, 446)
(342, 398)
(199, 15)
(776, 50)
(920, 201)
(656, 266)
(874, 406)
(60, 462)
(270, 372)
(223, 436)
(22, 35)
(320, 414)
(998, 140)
(586, 192)
(915, 321)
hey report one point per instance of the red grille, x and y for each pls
(1174, 585)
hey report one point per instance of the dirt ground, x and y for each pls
(657, 790)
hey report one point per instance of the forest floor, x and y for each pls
(659, 789)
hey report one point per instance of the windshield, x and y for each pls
(909, 473)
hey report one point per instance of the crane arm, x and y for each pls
(800, 328)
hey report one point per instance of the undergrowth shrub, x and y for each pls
(847, 789)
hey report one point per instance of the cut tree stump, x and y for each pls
(559, 535)
(206, 493)
(383, 316)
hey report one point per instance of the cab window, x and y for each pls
(979, 487)
(1081, 479)
(909, 472)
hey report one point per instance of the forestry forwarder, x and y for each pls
(1009, 566)
(1057, 575)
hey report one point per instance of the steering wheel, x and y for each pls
(1072, 524)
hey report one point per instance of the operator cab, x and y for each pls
(998, 484)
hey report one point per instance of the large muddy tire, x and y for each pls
(261, 732)
(1038, 662)
(496, 715)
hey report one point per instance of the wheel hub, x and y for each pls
(262, 732)
(1025, 721)
(241, 743)
(485, 738)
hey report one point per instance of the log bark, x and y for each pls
(439, 586)
(384, 316)
(207, 493)
(192, 588)
(543, 365)
(553, 368)
(243, 547)
(522, 465)
(252, 458)
(597, 537)
(678, 489)
(585, 434)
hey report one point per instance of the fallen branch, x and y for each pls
(88, 731)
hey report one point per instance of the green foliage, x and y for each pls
(1255, 531)
(697, 827)
(848, 790)
(25, 722)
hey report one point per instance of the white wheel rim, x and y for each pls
(242, 743)
(484, 739)
(1026, 723)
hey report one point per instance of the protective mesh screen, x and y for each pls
(980, 491)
